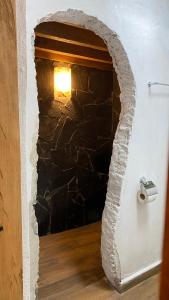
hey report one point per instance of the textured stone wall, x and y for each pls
(74, 147)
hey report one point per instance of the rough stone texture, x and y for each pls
(110, 258)
(74, 146)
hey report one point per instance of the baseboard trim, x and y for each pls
(138, 277)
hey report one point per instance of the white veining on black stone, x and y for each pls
(74, 147)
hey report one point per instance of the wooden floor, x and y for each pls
(70, 268)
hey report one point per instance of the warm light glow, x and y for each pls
(62, 82)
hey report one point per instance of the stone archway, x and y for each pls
(110, 258)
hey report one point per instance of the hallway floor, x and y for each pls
(70, 269)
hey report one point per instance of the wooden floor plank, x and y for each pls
(70, 269)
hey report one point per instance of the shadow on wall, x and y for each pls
(74, 147)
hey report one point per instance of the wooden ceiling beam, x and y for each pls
(68, 41)
(70, 34)
(81, 51)
(72, 59)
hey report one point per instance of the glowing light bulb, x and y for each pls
(62, 82)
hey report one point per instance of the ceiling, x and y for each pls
(71, 44)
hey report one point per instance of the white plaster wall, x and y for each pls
(140, 228)
(143, 28)
(30, 241)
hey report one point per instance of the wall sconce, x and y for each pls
(62, 82)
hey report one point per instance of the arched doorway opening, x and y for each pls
(120, 145)
(76, 133)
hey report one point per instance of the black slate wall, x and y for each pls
(74, 147)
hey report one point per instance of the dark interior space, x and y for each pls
(75, 139)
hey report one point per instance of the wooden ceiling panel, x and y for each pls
(72, 49)
(71, 44)
(71, 33)
(56, 56)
